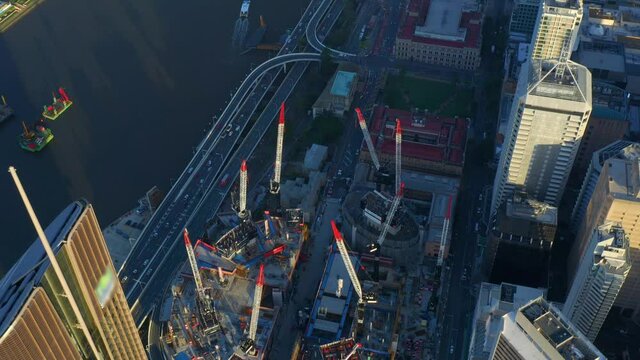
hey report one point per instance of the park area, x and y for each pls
(442, 98)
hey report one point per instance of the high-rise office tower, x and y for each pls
(548, 118)
(556, 30)
(524, 18)
(615, 198)
(621, 149)
(540, 331)
(495, 301)
(36, 318)
(600, 276)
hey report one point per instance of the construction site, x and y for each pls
(225, 300)
(375, 299)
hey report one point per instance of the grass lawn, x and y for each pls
(405, 92)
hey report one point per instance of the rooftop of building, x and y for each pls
(624, 178)
(442, 23)
(602, 54)
(620, 149)
(342, 83)
(557, 330)
(495, 300)
(609, 101)
(565, 4)
(520, 206)
(330, 318)
(526, 222)
(27, 272)
(608, 23)
(612, 249)
(559, 80)
(424, 135)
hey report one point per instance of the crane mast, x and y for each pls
(353, 351)
(242, 206)
(194, 265)
(367, 138)
(399, 185)
(277, 168)
(347, 261)
(398, 155)
(390, 215)
(445, 231)
(255, 310)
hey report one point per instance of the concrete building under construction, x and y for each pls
(261, 254)
(364, 214)
(333, 329)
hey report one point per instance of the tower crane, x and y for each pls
(274, 184)
(194, 266)
(363, 298)
(367, 139)
(392, 211)
(399, 185)
(255, 310)
(445, 232)
(248, 345)
(243, 213)
(398, 155)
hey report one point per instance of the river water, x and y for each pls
(145, 76)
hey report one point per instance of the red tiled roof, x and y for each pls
(472, 38)
(448, 135)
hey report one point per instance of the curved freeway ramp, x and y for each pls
(312, 33)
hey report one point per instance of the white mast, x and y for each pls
(367, 139)
(54, 263)
(277, 168)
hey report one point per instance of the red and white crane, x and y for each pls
(277, 168)
(194, 265)
(255, 310)
(445, 232)
(398, 155)
(399, 185)
(244, 180)
(367, 138)
(392, 211)
(363, 298)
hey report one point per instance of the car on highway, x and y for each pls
(145, 263)
(451, 349)
(224, 180)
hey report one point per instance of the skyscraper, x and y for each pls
(548, 118)
(524, 19)
(494, 301)
(539, 331)
(615, 198)
(619, 149)
(556, 30)
(600, 276)
(36, 320)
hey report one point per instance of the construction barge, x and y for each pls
(60, 104)
(34, 140)
(5, 111)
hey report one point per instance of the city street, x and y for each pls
(458, 295)
(306, 285)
